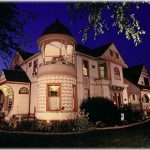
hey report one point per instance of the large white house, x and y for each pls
(52, 83)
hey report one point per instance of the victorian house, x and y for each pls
(138, 79)
(52, 83)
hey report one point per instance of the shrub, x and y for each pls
(43, 126)
(27, 125)
(62, 126)
(2, 116)
(130, 115)
(101, 109)
(81, 123)
(5, 126)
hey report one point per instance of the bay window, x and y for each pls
(53, 101)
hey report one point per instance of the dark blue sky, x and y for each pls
(47, 12)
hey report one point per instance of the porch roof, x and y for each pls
(16, 75)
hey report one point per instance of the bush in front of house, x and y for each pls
(130, 115)
(4, 125)
(62, 126)
(100, 109)
(79, 123)
(2, 117)
(27, 125)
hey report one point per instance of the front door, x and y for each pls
(117, 98)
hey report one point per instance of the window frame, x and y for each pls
(145, 98)
(60, 96)
(105, 70)
(111, 53)
(118, 73)
(88, 92)
(117, 56)
(35, 67)
(30, 64)
(84, 60)
(22, 92)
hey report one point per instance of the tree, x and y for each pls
(101, 109)
(12, 21)
(103, 15)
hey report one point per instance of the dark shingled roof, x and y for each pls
(93, 52)
(133, 73)
(16, 75)
(25, 55)
(57, 27)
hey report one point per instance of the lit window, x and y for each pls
(10, 101)
(117, 73)
(102, 70)
(85, 68)
(23, 90)
(53, 97)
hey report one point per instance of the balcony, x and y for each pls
(102, 81)
(57, 66)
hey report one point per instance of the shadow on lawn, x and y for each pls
(132, 137)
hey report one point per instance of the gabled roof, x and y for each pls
(57, 27)
(93, 52)
(25, 55)
(16, 75)
(133, 73)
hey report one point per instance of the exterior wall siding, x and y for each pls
(20, 101)
(66, 93)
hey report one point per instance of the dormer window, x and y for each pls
(117, 55)
(111, 53)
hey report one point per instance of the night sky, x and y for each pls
(48, 12)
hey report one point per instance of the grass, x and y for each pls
(132, 137)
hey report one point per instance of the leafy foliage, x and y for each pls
(130, 115)
(12, 21)
(79, 123)
(101, 109)
(103, 15)
(27, 125)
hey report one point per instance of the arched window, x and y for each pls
(23, 90)
(145, 99)
(117, 73)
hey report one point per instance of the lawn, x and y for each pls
(133, 137)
